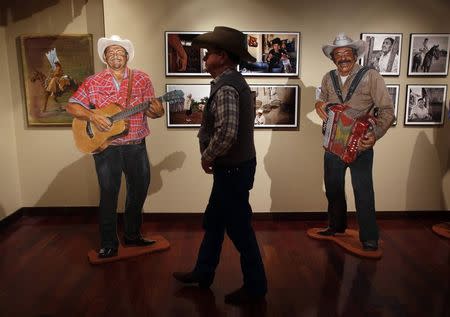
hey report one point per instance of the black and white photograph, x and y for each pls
(384, 51)
(181, 58)
(428, 54)
(277, 54)
(394, 93)
(188, 113)
(425, 104)
(277, 106)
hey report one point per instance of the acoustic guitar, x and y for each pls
(88, 139)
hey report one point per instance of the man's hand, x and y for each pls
(366, 142)
(320, 109)
(207, 166)
(102, 123)
(155, 110)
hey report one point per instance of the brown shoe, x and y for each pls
(241, 297)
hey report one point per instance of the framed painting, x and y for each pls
(394, 93)
(181, 58)
(53, 66)
(276, 53)
(276, 106)
(383, 54)
(425, 104)
(428, 54)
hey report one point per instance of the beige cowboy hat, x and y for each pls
(104, 42)
(226, 38)
(342, 40)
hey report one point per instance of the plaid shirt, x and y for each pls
(102, 89)
(225, 108)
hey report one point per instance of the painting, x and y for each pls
(276, 53)
(53, 66)
(276, 106)
(383, 54)
(425, 104)
(428, 54)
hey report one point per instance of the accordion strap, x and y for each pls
(353, 86)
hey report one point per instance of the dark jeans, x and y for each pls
(132, 160)
(228, 209)
(361, 172)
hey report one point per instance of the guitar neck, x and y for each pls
(131, 111)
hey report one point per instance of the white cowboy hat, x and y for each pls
(228, 39)
(104, 42)
(342, 40)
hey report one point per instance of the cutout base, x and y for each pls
(124, 253)
(349, 241)
(442, 229)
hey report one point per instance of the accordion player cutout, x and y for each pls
(349, 241)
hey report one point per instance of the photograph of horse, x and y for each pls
(428, 55)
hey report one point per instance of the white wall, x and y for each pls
(411, 163)
(10, 192)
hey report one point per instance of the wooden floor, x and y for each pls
(44, 271)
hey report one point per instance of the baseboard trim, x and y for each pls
(161, 216)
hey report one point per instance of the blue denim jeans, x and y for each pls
(133, 161)
(229, 210)
(361, 173)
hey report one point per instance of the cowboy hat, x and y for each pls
(104, 42)
(343, 40)
(228, 39)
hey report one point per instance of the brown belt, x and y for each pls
(130, 142)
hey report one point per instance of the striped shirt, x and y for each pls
(225, 109)
(102, 89)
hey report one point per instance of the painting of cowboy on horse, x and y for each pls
(429, 54)
(53, 68)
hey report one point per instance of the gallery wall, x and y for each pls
(411, 167)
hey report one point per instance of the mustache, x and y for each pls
(344, 61)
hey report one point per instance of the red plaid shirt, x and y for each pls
(100, 90)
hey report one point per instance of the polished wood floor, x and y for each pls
(44, 271)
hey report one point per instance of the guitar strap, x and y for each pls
(130, 87)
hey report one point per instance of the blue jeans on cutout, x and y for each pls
(361, 173)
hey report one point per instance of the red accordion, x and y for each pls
(344, 129)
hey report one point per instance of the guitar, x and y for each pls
(88, 139)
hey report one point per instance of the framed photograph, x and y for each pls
(384, 51)
(53, 66)
(276, 106)
(277, 54)
(428, 54)
(182, 59)
(394, 93)
(188, 113)
(425, 104)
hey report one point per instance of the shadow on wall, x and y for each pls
(2, 212)
(22, 9)
(442, 143)
(294, 163)
(428, 166)
(77, 185)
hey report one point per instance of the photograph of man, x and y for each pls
(383, 52)
(370, 94)
(127, 154)
(228, 153)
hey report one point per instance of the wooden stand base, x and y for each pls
(442, 229)
(348, 240)
(161, 244)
